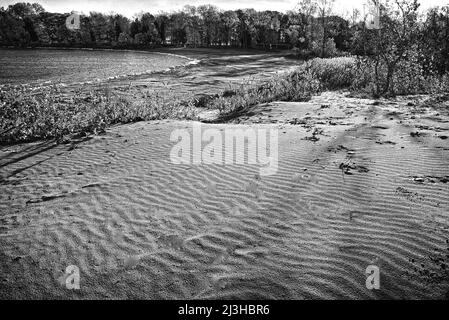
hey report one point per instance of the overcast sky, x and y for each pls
(130, 7)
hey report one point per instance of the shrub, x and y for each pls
(409, 78)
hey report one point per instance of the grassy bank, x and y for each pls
(28, 115)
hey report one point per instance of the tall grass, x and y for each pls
(334, 73)
(26, 115)
(298, 85)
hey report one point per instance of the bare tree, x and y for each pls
(324, 8)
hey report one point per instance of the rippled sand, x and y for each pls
(139, 226)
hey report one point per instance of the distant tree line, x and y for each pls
(312, 29)
(25, 24)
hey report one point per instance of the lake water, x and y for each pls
(76, 66)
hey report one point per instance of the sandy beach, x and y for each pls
(359, 182)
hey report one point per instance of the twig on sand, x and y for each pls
(343, 167)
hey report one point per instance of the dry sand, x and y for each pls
(139, 226)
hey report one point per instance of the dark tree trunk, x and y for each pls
(388, 84)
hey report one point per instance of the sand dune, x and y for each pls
(353, 188)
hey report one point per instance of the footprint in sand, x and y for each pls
(218, 282)
(253, 188)
(318, 211)
(131, 262)
(211, 187)
(236, 211)
(304, 178)
(297, 178)
(172, 241)
(62, 280)
(221, 258)
(350, 213)
(303, 203)
(114, 229)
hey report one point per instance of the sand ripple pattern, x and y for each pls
(139, 226)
